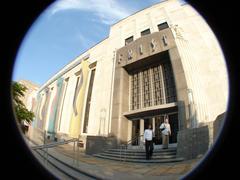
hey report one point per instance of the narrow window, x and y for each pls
(63, 100)
(145, 32)
(169, 83)
(128, 40)
(89, 96)
(75, 97)
(163, 26)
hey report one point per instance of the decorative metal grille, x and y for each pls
(135, 91)
(147, 100)
(170, 91)
(156, 86)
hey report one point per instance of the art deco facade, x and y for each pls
(163, 60)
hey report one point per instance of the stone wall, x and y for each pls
(195, 142)
(97, 144)
(36, 135)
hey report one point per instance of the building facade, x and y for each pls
(163, 60)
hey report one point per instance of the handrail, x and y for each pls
(134, 139)
(50, 145)
(124, 147)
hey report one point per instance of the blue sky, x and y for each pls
(66, 29)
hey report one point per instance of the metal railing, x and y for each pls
(45, 148)
(123, 147)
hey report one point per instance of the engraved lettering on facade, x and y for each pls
(119, 58)
(141, 49)
(177, 31)
(130, 52)
(153, 45)
(164, 39)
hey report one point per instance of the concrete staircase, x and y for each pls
(139, 155)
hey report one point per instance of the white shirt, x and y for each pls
(167, 129)
(148, 135)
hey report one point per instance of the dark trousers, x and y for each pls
(149, 149)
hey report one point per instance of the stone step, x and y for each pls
(169, 160)
(140, 153)
(143, 156)
(52, 167)
(62, 167)
(142, 150)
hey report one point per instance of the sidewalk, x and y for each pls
(109, 169)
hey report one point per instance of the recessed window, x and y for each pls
(163, 26)
(145, 32)
(89, 96)
(128, 40)
(67, 79)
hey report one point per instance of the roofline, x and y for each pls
(139, 11)
(58, 74)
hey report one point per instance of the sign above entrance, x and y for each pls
(145, 46)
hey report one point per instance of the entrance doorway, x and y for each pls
(158, 135)
(147, 121)
(173, 121)
(135, 131)
(155, 121)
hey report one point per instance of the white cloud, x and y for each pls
(84, 41)
(107, 11)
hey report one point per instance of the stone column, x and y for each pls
(181, 88)
(153, 124)
(141, 130)
(129, 130)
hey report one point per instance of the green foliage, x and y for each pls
(22, 113)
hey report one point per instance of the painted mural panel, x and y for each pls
(37, 116)
(55, 107)
(60, 106)
(45, 109)
(78, 101)
(66, 107)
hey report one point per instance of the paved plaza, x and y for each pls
(108, 169)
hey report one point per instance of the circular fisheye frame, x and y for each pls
(106, 89)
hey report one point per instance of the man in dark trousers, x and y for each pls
(148, 137)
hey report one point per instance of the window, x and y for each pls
(128, 40)
(89, 96)
(158, 88)
(146, 88)
(75, 96)
(163, 26)
(145, 32)
(64, 90)
(152, 86)
(169, 83)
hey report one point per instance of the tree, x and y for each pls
(22, 113)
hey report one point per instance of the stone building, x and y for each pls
(29, 95)
(162, 60)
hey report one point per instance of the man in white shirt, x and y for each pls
(166, 132)
(148, 138)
